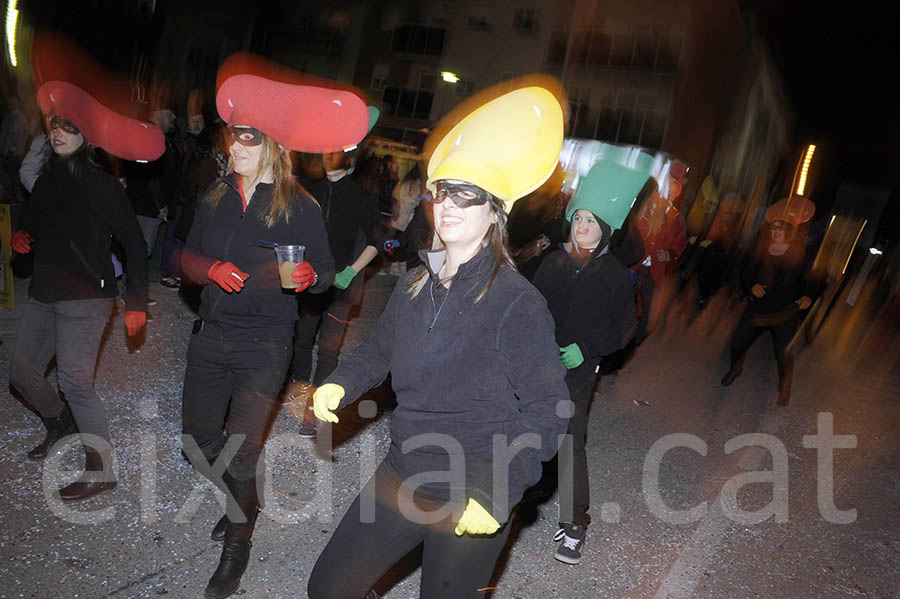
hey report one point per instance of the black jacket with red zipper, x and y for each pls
(229, 234)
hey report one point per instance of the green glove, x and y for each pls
(571, 356)
(343, 278)
(476, 520)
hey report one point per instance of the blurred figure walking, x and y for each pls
(780, 292)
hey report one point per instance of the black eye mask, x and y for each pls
(461, 194)
(246, 136)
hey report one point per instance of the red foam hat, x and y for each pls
(55, 57)
(796, 211)
(119, 135)
(299, 111)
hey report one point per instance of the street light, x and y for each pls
(801, 184)
(12, 18)
(449, 77)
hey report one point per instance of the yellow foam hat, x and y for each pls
(508, 146)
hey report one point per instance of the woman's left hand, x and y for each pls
(134, 320)
(343, 279)
(304, 275)
(571, 355)
(804, 302)
(476, 521)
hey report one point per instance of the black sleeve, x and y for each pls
(315, 238)
(538, 379)
(749, 273)
(194, 265)
(123, 223)
(368, 218)
(611, 321)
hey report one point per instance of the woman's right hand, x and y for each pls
(21, 242)
(326, 400)
(758, 290)
(227, 276)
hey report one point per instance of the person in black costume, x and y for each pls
(351, 218)
(780, 292)
(76, 208)
(240, 348)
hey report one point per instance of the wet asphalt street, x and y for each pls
(682, 525)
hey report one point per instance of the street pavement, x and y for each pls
(678, 466)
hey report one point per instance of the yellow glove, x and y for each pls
(476, 521)
(706, 243)
(326, 399)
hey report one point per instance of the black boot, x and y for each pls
(218, 531)
(734, 372)
(226, 580)
(58, 428)
(98, 476)
(785, 376)
(784, 392)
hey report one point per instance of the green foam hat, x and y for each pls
(610, 188)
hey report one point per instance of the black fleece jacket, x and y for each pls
(465, 372)
(350, 214)
(73, 219)
(784, 277)
(231, 235)
(592, 306)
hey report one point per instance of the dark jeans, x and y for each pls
(646, 288)
(327, 314)
(360, 552)
(71, 330)
(575, 493)
(149, 227)
(750, 329)
(170, 264)
(231, 383)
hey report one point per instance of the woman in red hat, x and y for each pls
(780, 291)
(75, 207)
(240, 349)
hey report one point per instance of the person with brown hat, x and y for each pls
(240, 349)
(75, 207)
(779, 290)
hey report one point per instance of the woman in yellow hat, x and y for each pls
(469, 345)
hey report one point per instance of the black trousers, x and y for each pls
(362, 548)
(231, 385)
(575, 492)
(751, 327)
(328, 315)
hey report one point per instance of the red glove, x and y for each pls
(21, 242)
(304, 275)
(227, 276)
(134, 320)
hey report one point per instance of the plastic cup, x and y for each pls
(289, 256)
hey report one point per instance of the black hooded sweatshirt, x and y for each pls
(592, 306)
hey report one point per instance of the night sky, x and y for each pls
(840, 64)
